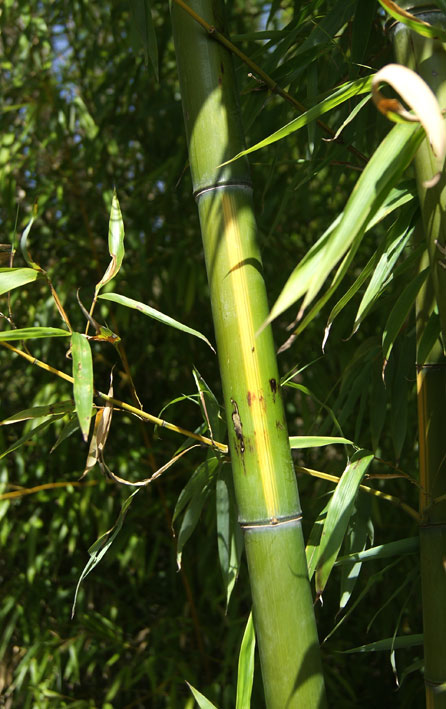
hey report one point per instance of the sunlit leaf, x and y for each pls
(317, 441)
(30, 333)
(29, 434)
(396, 643)
(83, 380)
(417, 94)
(343, 93)
(201, 700)
(414, 23)
(62, 407)
(115, 242)
(338, 516)
(410, 545)
(229, 534)
(155, 314)
(245, 676)
(15, 277)
(381, 173)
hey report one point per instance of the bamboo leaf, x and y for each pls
(359, 529)
(152, 313)
(400, 312)
(98, 550)
(15, 277)
(83, 380)
(144, 30)
(229, 534)
(338, 516)
(63, 407)
(201, 700)
(417, 94)
(382, 172)
(24, 242)
(191, 501)
(210, 408)
(30, 333)
(245, 674)
(30, 434)
(413, 22)
(342, 94)
(317, 441)
(397, 239)
(410, 545)
(430, 335)
(115, 242)
(394, 643)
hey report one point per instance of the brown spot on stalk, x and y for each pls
(273, 387)
(251, 397)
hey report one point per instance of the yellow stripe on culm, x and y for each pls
(246, 328)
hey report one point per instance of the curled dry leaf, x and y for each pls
(417, 94)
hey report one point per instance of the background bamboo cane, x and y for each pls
(266, 489)
(427, 56)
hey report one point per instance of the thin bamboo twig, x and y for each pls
(370, 490)
(122, 405)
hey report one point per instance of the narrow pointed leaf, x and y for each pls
(229, 533)
(388, 644)
(317, 441)
(201, 700)
(15, 277)
(98, 550)
(153, 313)
(245, 675)
(83, 380)
(115, 242)
(62, 407)
(30, 333)
(383, 551)
(400, 312)
(342, 94)
(338, 516)
(144, 30)
(381, 173)
(30, 434)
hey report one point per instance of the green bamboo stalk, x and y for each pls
(427, 57)
(264, 478)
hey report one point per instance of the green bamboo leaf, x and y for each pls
(395, 643)
(30, 434)
(201, 700)
(381, 173)
(342, 94)
(338, 516)
(67, 431)
(312, 547)
(24, 242)
(15, 277)
(359, 529)
(400, 312)
(210, 408)
(245, 674)
(410, 545)
(317, 441)
(396, 240)
(229, 534)
(414, 23)
(191, 501)
(115, 242)
(430, 335)
(83, 380)
(30, 333)
(64, 407)
(144, 30)
(100, 547)
(152, 313)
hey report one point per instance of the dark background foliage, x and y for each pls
(80, 113)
